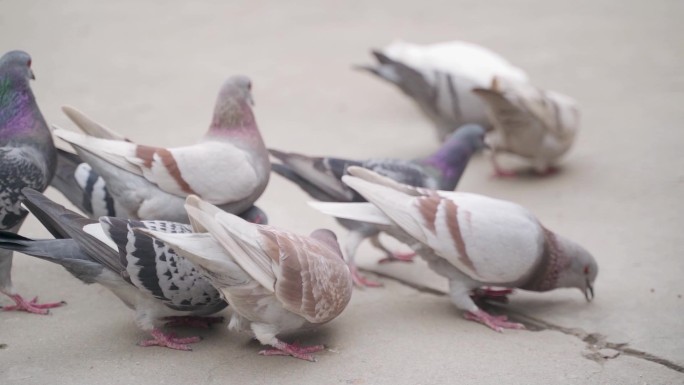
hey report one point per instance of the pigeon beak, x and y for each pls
(589, 292)
(250, 100)
(32, 75)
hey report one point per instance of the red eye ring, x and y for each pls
(29, 63)
(586, 270)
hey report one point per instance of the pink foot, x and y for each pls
(500, 173)
(549, 171)
(489, 294)
(398, 257)
(495, 322)
(361, 281)
(33, 306)
(294, 350)
(192, 321)
(169, 340)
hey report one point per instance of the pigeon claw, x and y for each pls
(398, 257)
(361, 281)
(495, 322)
(293, 350)
(31, 306)
(169, 340)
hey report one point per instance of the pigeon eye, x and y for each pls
(29, 63)
(586, 270)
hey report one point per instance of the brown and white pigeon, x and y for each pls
(321, 177)
(470, 239)
(147, 276)
(27, 159)
(229, 167)
(274, 280)
(529, 122)
(87, 190)
(440, 77)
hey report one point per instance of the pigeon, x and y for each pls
(148, 277)
(87, 190)
(228, 167)
(530, 122)
(470, 239)
(321, 178)
(275, 281)
(27, 159)
(440, 77)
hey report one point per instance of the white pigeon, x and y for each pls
(229, 167)
(470, 239)
(530, 122)
(274, 280)
(440, 77)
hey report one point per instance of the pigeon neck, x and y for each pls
(233, 118)
(553, 261)
(450, 161)
(15, 104)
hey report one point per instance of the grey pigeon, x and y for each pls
(147, 276)
(470, 239)
(274, 280)
(228, 167)
(27, 159)
(536, 124)
(440, 77)
(321, 177)
(87, 190)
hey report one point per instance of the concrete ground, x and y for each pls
(151, 71)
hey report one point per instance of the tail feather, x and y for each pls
(305, 185)
(362, 212)
(64, 252)
(90, 126)
(63, 223)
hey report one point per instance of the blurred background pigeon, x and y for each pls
(440, 77)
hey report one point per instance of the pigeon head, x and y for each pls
(233, 105)
(17, 64)
(579, 270)
(328, 238)
(452, 157)
(469, 135)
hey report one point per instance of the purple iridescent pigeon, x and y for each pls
(27, 159)
(321, 178)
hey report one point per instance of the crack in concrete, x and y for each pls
(600, 349)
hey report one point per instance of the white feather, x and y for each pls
(362, 212)
(95, 229)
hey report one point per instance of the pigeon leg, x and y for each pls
(398, 257)
(489, 294)
(548, 171)
(169, 340)
(351, 245)
(498, 171)
(496, 323)
(360, 280)
(391, 256)
(31, 306)
(281, 348)
(192, 321)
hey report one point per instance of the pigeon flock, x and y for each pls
(176, 235)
